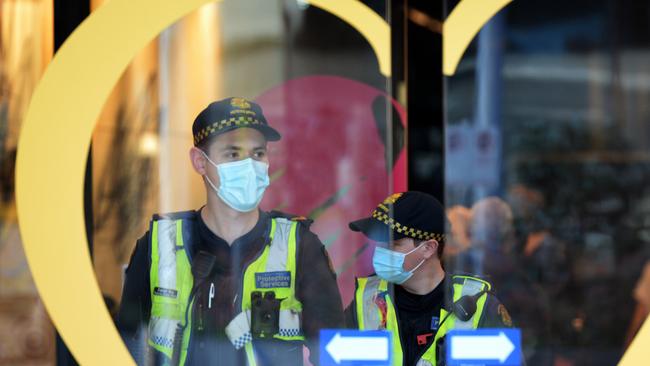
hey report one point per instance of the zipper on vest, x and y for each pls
(390, 294)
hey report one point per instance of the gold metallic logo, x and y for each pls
(240, 103)
(390, 200)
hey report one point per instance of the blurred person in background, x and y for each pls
(229, 284)
(544, 256)
(410, 294)
(458, 241)
(493, 248)
(546, 261)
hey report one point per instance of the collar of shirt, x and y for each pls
(417, 304)
(231, 256)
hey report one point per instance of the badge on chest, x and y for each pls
(280, 279)
(435, 323)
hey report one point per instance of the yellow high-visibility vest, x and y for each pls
(371, 317)
(171, 283)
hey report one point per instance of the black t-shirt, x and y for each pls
(315, 287)
(419, 318)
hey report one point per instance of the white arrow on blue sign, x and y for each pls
(344, 347)
(484, 347)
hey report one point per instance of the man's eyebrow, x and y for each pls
(231, 147)
(260, 148)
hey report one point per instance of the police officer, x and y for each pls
(410, 294)
(228, 284)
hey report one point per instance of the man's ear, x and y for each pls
(199, 162)
(430, 248)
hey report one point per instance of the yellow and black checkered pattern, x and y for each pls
(240, 121)
(402, 229)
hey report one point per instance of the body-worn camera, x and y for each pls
(265, 314)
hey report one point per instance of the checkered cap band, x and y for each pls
(241, 121)
(381, 214)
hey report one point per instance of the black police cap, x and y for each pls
(229, 114)
(410, 214)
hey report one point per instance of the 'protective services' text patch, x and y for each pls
(273, 279)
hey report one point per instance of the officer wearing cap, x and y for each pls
(228, 284)
(410, 293)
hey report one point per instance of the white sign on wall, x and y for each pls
(472, 155)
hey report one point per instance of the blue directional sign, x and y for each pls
(344, 347)
(484, 347)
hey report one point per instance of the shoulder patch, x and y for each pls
(505, 316)
(297, 218)
(180, 215)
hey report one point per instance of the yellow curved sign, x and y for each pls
(462, 25)
(371, 26)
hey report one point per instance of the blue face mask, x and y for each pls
(389, 265)
(242, 183)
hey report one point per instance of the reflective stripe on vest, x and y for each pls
(370, 316)
(277, 259)
(375, 311)
(170, 285)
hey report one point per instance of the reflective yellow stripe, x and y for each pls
(290, 306)
(393, 327)
(153, 270)
(186, 280)
(361, 288)
(249, 278)
(291, 255)
(369, 318)
(250, 354)
(166, 309)
(430, 354)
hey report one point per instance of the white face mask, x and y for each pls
(242, 183)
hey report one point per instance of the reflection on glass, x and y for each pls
(559, 224)
(26, 334)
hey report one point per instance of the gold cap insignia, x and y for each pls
(392, 198)
(240, 103)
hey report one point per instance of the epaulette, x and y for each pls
(462, 278)
(180, 215)
(301, 219)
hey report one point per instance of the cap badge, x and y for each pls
(240, 103)
(392, 198)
